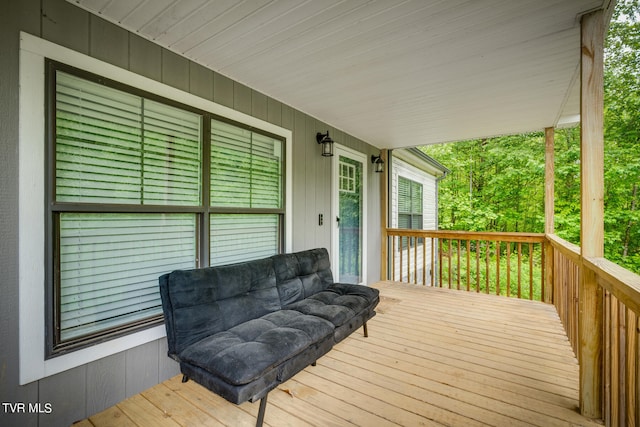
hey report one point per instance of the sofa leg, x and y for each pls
(364, 327)
(263, 406)
(314, 363)
(185, 378)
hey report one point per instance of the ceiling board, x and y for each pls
(395, 73)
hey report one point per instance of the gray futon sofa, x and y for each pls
(242, 329)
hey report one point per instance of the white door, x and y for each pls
(349, 192)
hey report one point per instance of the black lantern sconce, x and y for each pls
(378, 163)
(327, 143)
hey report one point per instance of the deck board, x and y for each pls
(433, 357)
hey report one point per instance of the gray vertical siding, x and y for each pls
(87, 389)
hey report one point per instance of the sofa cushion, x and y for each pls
(339, 303)
(301, 274)
(201, 302)
(247, 351)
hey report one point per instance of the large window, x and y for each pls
(141, 186)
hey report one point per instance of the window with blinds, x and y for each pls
(127, 204)
(117, 148)
(409, 204)
(110, 264)
(246, 168)
(246, 194)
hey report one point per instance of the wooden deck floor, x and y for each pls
(433, 357)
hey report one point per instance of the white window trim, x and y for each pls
(31, 206)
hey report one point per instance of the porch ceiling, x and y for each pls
(395, 73)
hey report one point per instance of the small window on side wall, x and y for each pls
(410, 206)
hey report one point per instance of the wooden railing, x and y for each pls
(620, 313)
(566, 279)
(541, 267)
(510, 264)
(621, 310)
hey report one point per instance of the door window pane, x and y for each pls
(351, 214)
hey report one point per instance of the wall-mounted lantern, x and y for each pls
(327, 143)
(378, 163)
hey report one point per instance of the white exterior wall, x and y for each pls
(429, 216)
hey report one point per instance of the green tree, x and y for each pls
(496, 184)
(622, 135)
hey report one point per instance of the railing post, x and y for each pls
(549, 272)
(384, 223)
(590, 320)
(549, 212)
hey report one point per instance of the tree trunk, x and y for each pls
(627, 233)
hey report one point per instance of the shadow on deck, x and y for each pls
(433, 357)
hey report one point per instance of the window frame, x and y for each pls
(32, 211)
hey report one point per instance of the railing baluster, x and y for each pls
(433, 273)
(415, 259)
(608, 365)
(615, 362)
(631, 367)
(530, 271)
(498, 267)
(477, 266)
(458, 262)
(440, 263)
(486, 262)
(468, 264)
(449, 255)
(424, 261)
(393, 257)
(508, 269)
(401, 258)
(543, 277)
(409, 241)
(519, 270)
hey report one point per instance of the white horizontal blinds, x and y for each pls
(409, 203)
(266, 177)
(98, 140)
(246, 168)
(114, 148)
(416, 197)
(404, 203)
(110, 264)
(243, 237)
(246, 174)
(230, 165)
(117, 148)
(171, 147)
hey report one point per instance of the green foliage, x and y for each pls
(524, 279)
(494, 185)
(497, 184)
